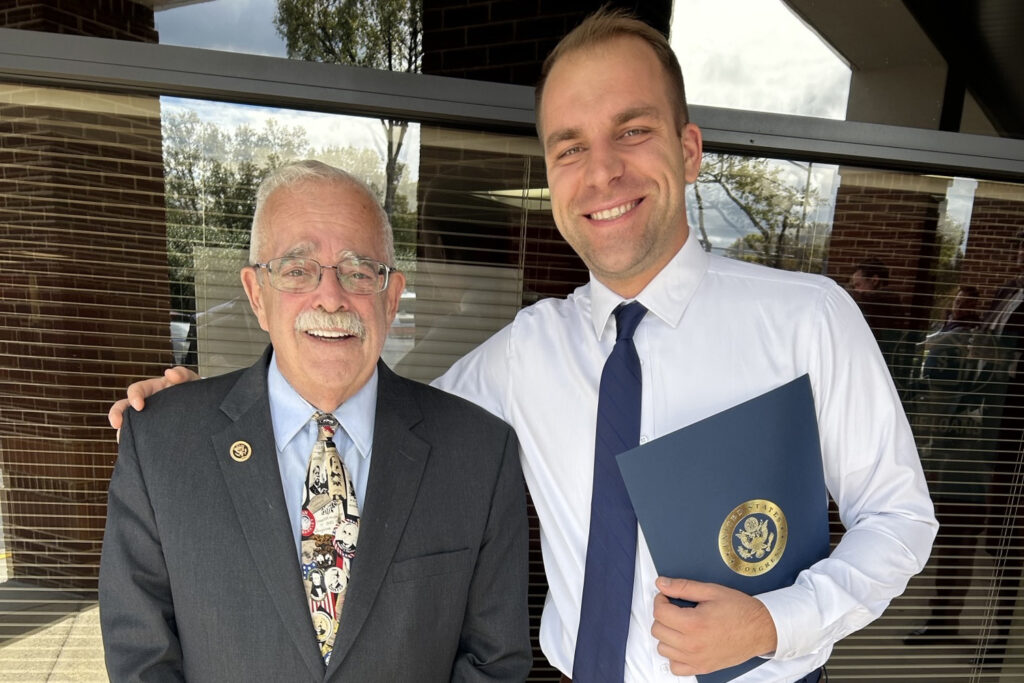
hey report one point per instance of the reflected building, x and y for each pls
(86, 243)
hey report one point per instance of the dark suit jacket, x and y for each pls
(199, 575)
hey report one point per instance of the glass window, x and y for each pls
(383, 34)
(124, 221)
(758, 56)
(245, 26)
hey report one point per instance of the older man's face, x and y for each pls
(326, 361)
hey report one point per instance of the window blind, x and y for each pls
(124, 221)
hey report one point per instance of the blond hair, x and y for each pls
(607, 24)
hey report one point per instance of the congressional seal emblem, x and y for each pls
(753, 537)
(240, 451)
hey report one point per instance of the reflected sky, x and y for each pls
(748, 54)
(245, 26)
(322, 130)
(757, 55)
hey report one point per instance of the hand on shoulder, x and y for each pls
(139, 391)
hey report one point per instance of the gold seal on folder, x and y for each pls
(753, 537)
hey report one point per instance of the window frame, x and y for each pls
(145, 68)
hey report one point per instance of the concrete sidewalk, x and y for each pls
(69, 649)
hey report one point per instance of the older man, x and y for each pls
(315, 517)
(700, 334)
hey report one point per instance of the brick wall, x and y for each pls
(507, 40)
(84, 295)
(120, 19)
(895, 226)
(990, 257)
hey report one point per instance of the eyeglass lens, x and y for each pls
(360, 276)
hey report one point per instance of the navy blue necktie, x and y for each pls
(611, 548)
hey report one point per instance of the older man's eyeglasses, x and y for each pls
(299, 275)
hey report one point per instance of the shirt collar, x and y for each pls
(290, 413)
(666, 296)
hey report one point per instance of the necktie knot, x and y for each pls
(326, 425)
(627, 317)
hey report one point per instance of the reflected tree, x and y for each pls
(211, 175)
(760, 195)
(365, 164)
(377, 34)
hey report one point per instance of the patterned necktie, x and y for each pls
(611, 547)
(330, 527)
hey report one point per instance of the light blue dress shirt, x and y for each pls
(295, 433)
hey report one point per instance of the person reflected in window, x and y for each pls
(1000, 344)
(953, 392)
(886, 316)
(965, 312)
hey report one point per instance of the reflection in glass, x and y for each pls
(141, 207)
(773, 212)
(757, 55)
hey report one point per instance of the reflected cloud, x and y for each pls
(322, 130)
(757, 55)
(231, 25)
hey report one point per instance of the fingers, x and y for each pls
(116, 414)
(679, 640)
(178, 375)
(681, 663)
(725, 628)
(139, 391)
(686, 589)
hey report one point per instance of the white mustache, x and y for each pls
(344, 321)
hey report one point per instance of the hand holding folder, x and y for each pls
(727, 628)
(737, 499)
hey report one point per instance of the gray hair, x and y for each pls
(296, 172)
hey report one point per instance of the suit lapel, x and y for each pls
(258, 497)
(399, 457)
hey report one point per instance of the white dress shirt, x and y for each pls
(718, 332)
(295, 433)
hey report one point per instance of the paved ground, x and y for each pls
(52, 637)
(68, 651)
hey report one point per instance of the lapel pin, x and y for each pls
(240, 451)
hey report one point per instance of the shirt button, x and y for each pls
(665, 669)
(643, 439)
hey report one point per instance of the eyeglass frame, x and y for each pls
(382, 268)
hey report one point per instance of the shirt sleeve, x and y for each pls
(482, 376)
(873, 473)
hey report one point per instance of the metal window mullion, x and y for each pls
(77, 61)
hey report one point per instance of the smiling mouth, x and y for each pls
(614, 212)
(330, 327)
(330, 335)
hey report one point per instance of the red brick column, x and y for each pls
(84, 295)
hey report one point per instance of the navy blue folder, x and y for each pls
(737, 499)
